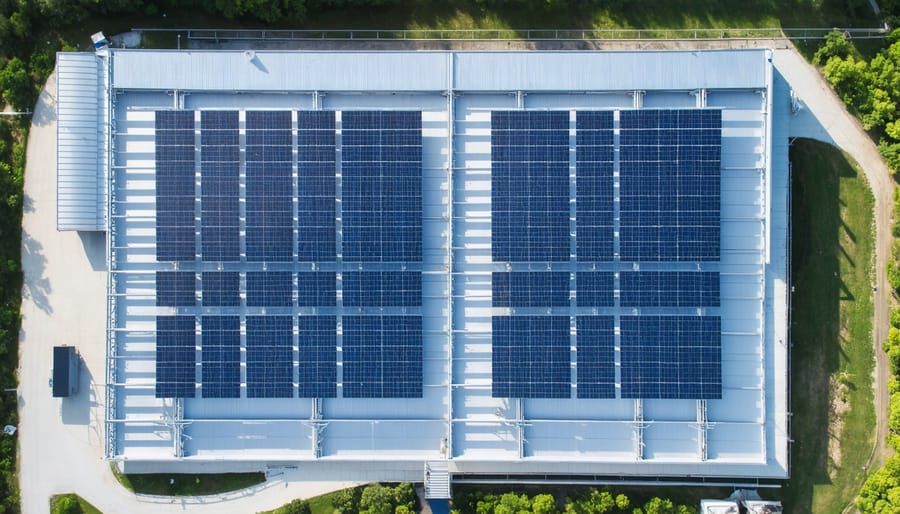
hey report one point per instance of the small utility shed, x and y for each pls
(65, 371)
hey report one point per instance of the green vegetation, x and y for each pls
(870, 88)
(370, 499)
(71, 504)
(187, 485)
(579, 500)
(832, 357)
(32, 31)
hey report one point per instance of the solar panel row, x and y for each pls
(529, 186)
(316, 190)
(530, 289)
(269, 188)
(382, 288)
(175, 193)
(269, 362)
(220, 186)
(382, 186)
(669, 185)
(382, 356)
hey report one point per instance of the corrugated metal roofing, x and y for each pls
(80, 188)
(431, 71)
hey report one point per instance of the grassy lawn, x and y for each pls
(318, 504)
(187, 485)
(551, 14)
(86, 507)
(833, 252)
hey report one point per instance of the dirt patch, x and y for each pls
(840, 405)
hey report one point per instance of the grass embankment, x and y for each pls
(171, 484)
(63, 503)
(833, 420)
(512, 17)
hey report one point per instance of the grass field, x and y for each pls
(833, 250)
(513, 15)
(86, 508)
(187, 485)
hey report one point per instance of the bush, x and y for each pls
(346, 500)
(67, 505)
(295, 507)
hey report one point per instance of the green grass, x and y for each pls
(833, 248)
(318, 504)
(187, 484)
(86, 508)
(509, 16)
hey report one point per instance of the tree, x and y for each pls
(345, 501)
(16, 84)
(405, 496)
(296, 507)
(622, 502)
(658, 505)
(544, 504)
(881, 492)
(377, 499)
(836, 45)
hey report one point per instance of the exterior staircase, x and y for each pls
(437, 480)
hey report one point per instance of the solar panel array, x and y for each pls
(270, 279)
(669, 188)
(646, 190)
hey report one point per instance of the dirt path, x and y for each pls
(845, 132)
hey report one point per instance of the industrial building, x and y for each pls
(493, 265)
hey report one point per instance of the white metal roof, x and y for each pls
(81, 189)
(744, 434)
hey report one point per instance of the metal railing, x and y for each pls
(516, 34)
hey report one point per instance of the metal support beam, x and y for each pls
(638, 430)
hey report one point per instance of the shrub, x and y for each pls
(67, 505)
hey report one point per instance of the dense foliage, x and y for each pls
(870, 88)
(376, 499)
(593, 501)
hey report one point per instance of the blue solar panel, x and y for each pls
(669, 289)
(318, 356)
(669, 186)
(529, 186)
(270, 289)
(531, 357)
(219, 186)
(220, 353)
(221, 289)
(269, 187)
(176, 289)
(316, 157)
(595, 344)
(175, 186)
(382, 288)
(382, 186)
(530, 289)
(382, 356)
(595, 289)
(270, 357)
(594, 185)
(316, 289)
(176, 357)
(676, 357)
